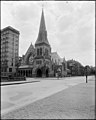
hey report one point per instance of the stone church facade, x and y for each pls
(39, 61)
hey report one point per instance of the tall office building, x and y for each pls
(9, 50)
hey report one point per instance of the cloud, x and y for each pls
(70, 26)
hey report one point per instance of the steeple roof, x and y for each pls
(42, 23)
(42, 36)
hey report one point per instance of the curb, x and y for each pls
(17, 83)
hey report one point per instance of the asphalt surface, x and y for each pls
(75, 102)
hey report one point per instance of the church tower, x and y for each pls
(43, 51)
(42, 36)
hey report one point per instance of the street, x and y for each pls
(69, 97)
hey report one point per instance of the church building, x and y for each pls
(39, 61)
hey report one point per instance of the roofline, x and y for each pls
(10, 28)
(42, 43)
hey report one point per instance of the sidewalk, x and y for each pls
(28, 80)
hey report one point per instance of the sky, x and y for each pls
(70, 26)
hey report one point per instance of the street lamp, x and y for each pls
(86, 72)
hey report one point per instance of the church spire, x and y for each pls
(42, 23)
(42, 36)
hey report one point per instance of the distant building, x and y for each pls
(9, 50)
(58, 62)
(39, 61)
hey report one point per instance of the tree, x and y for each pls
(75, 67)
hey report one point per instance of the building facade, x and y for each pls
(39, 61)
(9, 50)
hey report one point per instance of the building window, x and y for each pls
(2, 70)
(40, 51)
(10, 69)
(46, 52)
(37, 51)
(39, 62)
(12, 64)
(5, 70)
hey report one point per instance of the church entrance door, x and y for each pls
(39, 73)
(47, 73)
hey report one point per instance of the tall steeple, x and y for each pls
(42, 36)
(42, 23)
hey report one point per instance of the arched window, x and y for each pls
(46, 52)
(37, 51)
(40, 51)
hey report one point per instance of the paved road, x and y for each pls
(70, 98)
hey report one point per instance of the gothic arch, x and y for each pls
(27, 58)
(30, 51)
(39, 72)
(47, 72)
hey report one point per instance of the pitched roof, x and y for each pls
(10, 28)
(26, 66)
(30, 50)
(56, 58)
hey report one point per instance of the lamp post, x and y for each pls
(86, 72)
